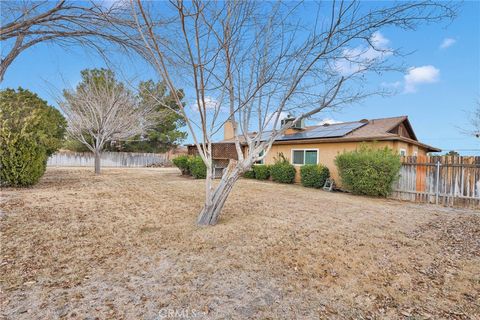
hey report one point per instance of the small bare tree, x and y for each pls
(102, 110)
(474, 122)
(250, 62)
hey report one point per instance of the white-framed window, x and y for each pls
(403, 152)
(261, 161)
(304, 156)
(415, 153)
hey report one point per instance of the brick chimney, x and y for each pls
(228, 129)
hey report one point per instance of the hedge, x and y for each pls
(261, 172)
(191, 165)
(182, 163)
(282, 171)
(250, 174)
(368, 171)
(314, 176)
(197, 167)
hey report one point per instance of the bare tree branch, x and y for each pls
(89, 24)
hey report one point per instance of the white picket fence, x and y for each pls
(108, 159)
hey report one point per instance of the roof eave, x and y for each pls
(411, 128)
(390, 137)
(423, 145)
(359, 139)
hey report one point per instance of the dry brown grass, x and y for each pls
(125, 246)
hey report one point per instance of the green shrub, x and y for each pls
(30, 131)
(368, 170)
(314, 176)
(182, 163)
(22, 162)
(261, 172)
(282, 171)
(197, 167)
(250, 174)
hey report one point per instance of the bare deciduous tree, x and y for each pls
(102, 110)
(474, 122)
(259, 60)
(88, 23)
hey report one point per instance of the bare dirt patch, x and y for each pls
(124, 245)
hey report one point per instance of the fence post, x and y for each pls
(438, 182)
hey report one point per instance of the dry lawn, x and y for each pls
(125, 246)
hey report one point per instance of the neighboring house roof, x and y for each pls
(395, 128)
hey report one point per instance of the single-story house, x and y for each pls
(320, 144)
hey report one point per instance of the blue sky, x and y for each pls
(437, 93)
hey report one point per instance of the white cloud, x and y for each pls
(420, 75)
(328, 121)
(360, 57)
(447, 42)
(379, 41)
(210, 103)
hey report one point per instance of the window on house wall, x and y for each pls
(307, 156)
(260, 161)
(403, 152)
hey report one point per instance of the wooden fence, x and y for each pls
(445, 180)
(108, 159)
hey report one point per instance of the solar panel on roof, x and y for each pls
(331, 131)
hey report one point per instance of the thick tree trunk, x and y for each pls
(216, 200)
(97, 162)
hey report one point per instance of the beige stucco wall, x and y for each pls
(412, 150)
(328, 152)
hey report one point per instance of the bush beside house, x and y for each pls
(314, 176)
(197, 168)
(182, 163)
(250, 174)
(282, 171)
(261, 172)
(190, 165)
(368, 171)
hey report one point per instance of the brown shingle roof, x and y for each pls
(377, 128)
(374, 129)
